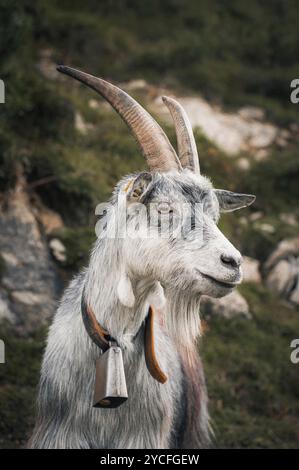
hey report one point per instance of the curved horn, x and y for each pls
(186, 143)
(155, 146)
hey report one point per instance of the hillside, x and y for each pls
(62, 150)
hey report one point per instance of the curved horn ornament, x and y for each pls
(186, 143)
(155, 146)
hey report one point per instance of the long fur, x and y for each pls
(122, 279)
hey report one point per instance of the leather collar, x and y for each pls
(103, 340)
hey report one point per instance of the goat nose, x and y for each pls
(231, 261)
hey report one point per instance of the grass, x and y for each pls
(18, 381)
(253, 386)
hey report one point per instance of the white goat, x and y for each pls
(141, 286)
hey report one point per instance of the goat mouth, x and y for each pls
(227, 285)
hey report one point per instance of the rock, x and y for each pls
(282, 269)
(139, 84)
(268, 228)
(80, 125)
(263, 136)
(255, 216)
(251, 270)
(230, 306)
(243, 131)
(58, 250)
(285, 249)
(232, 132)
(5, 311)
(10, 259)
(260, 154)
(280, 277)
(243, 163)
(283, 138)
(30, 284)
(289, 219)
(28, 298)
(243, 221)
(49, 219)
(94, 104)
(252, 113)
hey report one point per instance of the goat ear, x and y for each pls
(229, 201)
(136, 188)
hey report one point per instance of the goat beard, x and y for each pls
(182, 318)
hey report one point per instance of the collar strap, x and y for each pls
(103, 340)
(149, 349)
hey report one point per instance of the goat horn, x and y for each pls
(186, 143)
(155, 146)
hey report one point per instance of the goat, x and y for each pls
(126, 279)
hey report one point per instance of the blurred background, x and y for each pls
(62, 149)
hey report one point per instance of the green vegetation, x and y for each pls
(253, 385)
(18, 382)
(237, 53)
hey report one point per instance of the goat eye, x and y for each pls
(164, 208)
